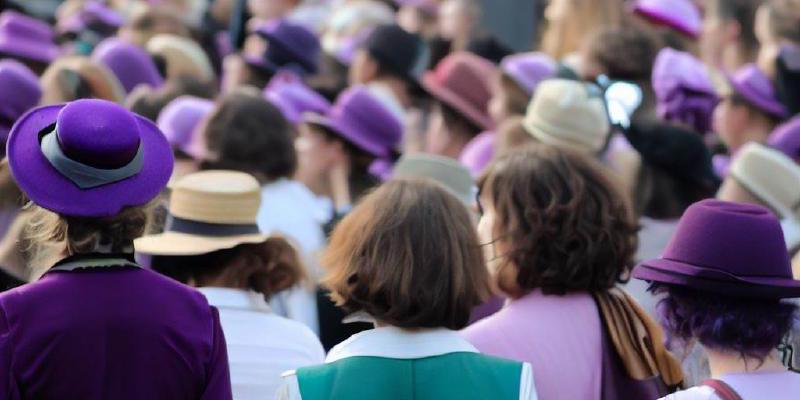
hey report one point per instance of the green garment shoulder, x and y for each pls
(462, 376)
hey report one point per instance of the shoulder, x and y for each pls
(298, 333)
(694, 393)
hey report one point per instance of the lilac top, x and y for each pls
(559, 336)
(110, 333)
(759, 385)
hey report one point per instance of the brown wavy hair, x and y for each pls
(408, 255)
(564, 223)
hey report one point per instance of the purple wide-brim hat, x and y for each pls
(25, 37)
(51, 189)
(293, 98)
(293, 39)
(727, 248)
(755, 87)
(681, 15)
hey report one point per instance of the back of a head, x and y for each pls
(742, 12)
(247, 133)
(408, 255)
(572, 21)
(623, 53)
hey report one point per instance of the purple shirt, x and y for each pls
(110, 333)
(559, 336)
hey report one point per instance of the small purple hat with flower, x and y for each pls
(727, 248)
(288, 92)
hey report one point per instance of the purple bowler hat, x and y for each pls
(681, 15)
(528, 69)
(19, 92)
(131, 64)
(727, 248)
(27, 38)
(478, 153)
(88, 158)
(786, 138)
(684, 90)
(289, 46)
(359, 117)
(756, 88)
(288, 92)
(179, 121)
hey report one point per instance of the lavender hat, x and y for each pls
(88, 158)
(528, 69)
(786, 138)
(130, 63)
(684, 90)
(288, 92)
(179, 121)
(755, 87)
(360, 118)
(289, 45)
(19, 92)
(28, 38)
(478, 153)
(727, 248)
(681, 15)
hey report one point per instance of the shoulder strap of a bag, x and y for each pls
(722, 389)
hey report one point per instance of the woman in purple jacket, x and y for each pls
(96, 325)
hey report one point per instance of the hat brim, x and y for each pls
(46, 187)
(716, 281)
(476, 116)
(659, 19)
(184, 244)
(293, 50)
(345, 133)
(29, 50)
(774, 108)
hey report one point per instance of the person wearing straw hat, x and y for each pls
(96, 325)
(724, 277)
(211, 241)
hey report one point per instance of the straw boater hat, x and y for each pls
(208, 211)
(774, 180)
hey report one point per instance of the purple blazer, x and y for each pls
(110, 333)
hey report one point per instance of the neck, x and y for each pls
(755, 133)
(734, 57)
(398, 88)
(722, 363)
(455, 146)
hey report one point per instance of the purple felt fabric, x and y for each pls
(478, 153)
(752, 84)
(110, 333)
(681, 15)
(786, 138)
(19, 92)
(528, 69)
(293, 97)
(180, 118)
(129, 63)
(27, 38)
(684, 90)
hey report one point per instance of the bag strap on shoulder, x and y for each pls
(722, 389)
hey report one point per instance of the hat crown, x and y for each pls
(217, 197)
(180, 117)
(467, 75)
(682, 15)
(529, 69)
(769, 175)
(362, 111)
(739, 239)
(19, 89)
(98, 133)
(25, 26)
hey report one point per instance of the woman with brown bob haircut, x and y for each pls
(407, 257)
(559, 235)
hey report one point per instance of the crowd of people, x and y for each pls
(379, 199)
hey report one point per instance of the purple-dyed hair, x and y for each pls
(748, 326)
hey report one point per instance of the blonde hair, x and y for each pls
(52, 236)
(566, 35)
(63, 80)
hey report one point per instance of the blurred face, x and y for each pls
(556, 10)
(454, 21)
(409, 19)
(713, 38)
(363, 69)
(730, 122)
(437, 137)
(498, 109)
(316, 155)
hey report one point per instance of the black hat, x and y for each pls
(399, 51)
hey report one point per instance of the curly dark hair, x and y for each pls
(247, 133)
(748, 326)
(566, 224)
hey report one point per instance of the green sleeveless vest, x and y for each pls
(462, 376)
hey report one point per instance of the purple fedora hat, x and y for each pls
(786, 138)
(19, 92)
(288, 92)
(359, 117)
(290, 44)
(681, 15)
(756, 88)
(179, 121)
(727, 248)
(27, 38)
(131, 64)
(684, 90)
(528, 69)
(88, 158)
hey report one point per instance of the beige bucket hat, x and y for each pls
(208, 211)
(569, 114)
(774, 180)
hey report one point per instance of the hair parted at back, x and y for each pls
(408, 255)
(566, 223)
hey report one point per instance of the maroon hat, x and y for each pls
(728, 248)
(88, 158)
(756, 88)
(360, 118)
(462, 81)
(26, 38)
